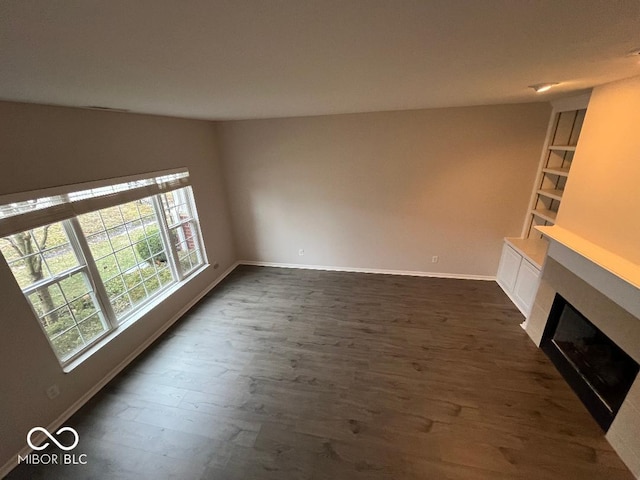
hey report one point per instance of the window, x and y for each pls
(112, 250)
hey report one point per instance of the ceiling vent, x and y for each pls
(107, 109)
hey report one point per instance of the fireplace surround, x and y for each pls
(612, 305)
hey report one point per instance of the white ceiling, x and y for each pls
(270, 58)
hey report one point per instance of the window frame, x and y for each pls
(86, 263)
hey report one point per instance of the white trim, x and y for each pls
(53, 426)
(411, 273)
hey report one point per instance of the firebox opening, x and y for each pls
(599, 371)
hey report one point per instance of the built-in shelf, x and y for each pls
(554, 193)
(561, 172)
(555, 164)
(522, 258)
(563, 148)
(545, 214)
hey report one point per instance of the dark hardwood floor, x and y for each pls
(299, 374)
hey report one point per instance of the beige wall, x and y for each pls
(380, 190)
(384, 190)
(48, 146)
(602, 197)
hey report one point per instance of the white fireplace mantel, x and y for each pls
(614, 276)
(606, 289)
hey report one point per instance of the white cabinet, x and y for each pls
(526, 287)
(519, 278)
(508, 269)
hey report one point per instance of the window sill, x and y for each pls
(148, 307)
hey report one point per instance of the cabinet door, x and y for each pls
(508, 269)
(526, 286)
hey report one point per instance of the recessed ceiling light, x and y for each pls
(542, 87)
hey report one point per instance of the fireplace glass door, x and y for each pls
(599, 371)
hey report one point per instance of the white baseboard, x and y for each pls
(411, 273)
(11, 464)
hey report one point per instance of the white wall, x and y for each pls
(48, 146)
(384, 190)
(601, 201)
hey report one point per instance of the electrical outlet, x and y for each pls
(434, 259)
(53, 391)
(301, 252)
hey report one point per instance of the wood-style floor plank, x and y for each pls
(300, 374)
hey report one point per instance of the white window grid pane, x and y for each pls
(40, 252)
(39, 304)
(150, 272)
(165, 276)
(93, 224)
(111, 217)
(92, 336)
(89, 291)
(59, 311)
(132, 270)
(107, 262)
(122, 304)
(177, 206)
(127, 260)
(51, 257)
(25, 280)
(135, 226)
(85, 315)
(186, 243)
(8, 251)
(144, 245)
(75, 342)
(99, 235)
(67, 306)
(187, 261)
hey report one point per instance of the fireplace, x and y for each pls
(599, 371)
